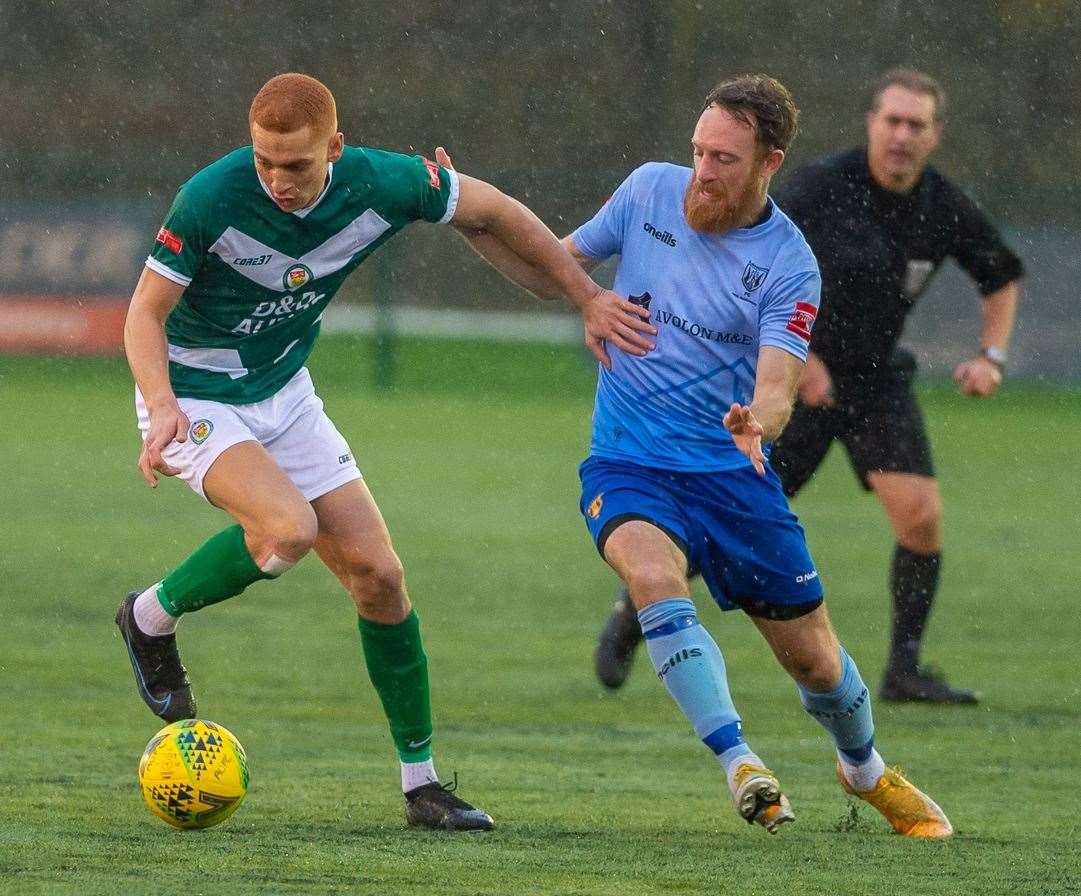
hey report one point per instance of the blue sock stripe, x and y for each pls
(670, 628)
(725, 738)
(664, 611)
(861, 754)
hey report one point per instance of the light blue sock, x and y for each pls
(690, 664)
(845, 712)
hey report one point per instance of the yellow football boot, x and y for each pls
(910, 811)
(759, 799)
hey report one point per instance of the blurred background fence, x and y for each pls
(109, 107)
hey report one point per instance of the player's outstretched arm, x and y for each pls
(980, 376)
(508, 263)
(148, 357)
(607, 316)
(775, 383)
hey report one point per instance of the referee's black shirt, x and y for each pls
(877, 251)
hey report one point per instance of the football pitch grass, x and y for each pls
(473, 459)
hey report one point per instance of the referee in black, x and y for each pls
(880, 221)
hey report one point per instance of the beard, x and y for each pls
(720, 211)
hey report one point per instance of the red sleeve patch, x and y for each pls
(433, 172)
(802, 321)
(170, 241)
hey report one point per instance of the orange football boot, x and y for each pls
(759, 799)
(910, 811)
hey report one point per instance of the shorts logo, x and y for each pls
(802, 321)
(345, 458)
(296, 276)
(595, 508)
(200, 431)
(807, 577)
(753, 276)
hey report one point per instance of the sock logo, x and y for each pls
(678, 657)
(844, 713)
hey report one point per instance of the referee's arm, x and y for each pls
(981, 251)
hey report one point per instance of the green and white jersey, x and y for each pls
(259, 279)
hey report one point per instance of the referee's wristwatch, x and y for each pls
(995, 355)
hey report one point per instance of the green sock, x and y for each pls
(398, 668)
(221, 568)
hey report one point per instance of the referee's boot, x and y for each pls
(160, 678)
(617, 642)
(922, 685)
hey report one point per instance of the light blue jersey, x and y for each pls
(715, 300)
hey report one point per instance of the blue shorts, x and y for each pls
(734, 527)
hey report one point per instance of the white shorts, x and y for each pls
(291, 425)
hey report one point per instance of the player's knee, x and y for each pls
(651, 581)
(288, 538)
(819, 671)
(374, 582)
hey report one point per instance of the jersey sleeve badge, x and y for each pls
(433, 172)
(170, 240)
(802, 320)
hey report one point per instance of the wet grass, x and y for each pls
(473, 459)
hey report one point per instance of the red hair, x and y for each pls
(288, 102)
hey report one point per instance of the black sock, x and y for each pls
(913, 582)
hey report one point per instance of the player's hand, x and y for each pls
(610, 318)
(168, 424)
(979, 377)
(816, 384)
(442, 159)
(747, 434)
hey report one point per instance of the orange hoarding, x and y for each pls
(45, 325)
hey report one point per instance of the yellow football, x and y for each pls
(193, 774)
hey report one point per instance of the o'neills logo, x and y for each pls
(296, 276)
(678, 657)
(665, 236)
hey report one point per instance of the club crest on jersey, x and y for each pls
(200, 431)
(595, 508)
(753, 276)
(641, 301)
(297, 276)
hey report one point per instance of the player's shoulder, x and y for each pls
(236, 167)
(230, 179)
(384, 163)
(655, 183)
(794, 253)
(654, 174)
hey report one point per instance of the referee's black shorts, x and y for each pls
(879, 423)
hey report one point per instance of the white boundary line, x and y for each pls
(501, 326)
